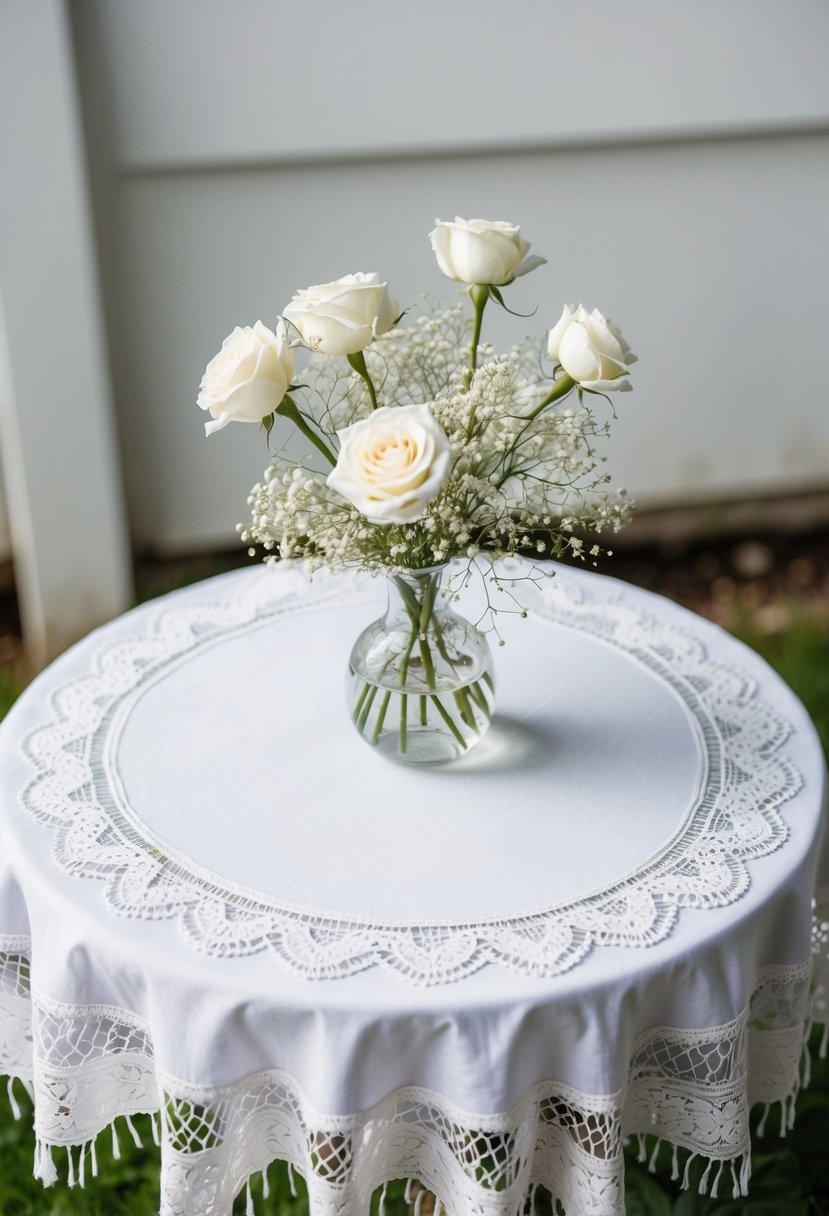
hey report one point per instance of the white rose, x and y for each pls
(393, 463)
(342, 317)
(248, 378)
(591, 350)
(481, 251)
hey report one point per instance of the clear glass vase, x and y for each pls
(420, 687)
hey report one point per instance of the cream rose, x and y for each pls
(342, 317)
(393, 463)
(249, 376)
(591, 350)
(481, 251)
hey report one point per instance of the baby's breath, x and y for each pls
(518, 484)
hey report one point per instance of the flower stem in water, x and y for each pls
(378, 725)
(465, 710)
(479, 698)
(363, 718)
(449, 721)
(356, 711)
(403, 710)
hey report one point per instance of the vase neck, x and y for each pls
(414, 595)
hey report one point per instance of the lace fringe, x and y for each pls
(44, 1167)
(416, 1193)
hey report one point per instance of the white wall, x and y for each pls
(671, 160)
(71, 551)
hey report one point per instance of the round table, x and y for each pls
(218, 904)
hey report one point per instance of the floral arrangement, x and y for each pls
(411, 445)
(426, 445)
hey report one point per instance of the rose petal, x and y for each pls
(557, 332)
(576, 355)
(253, 401)
(530, 263)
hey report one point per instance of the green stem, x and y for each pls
(429, 585)
(479, 698)
(465, 710)
(289, 409)
(356, 711)
(428, 665)
(441, 644)
(378, 725)
(479, 293)
(559, 389)
(404, 700)
(358, 362)
(403, 670)
(410, 600)
(424, 712)
(449, 721)
(487, 679)
(363, 718)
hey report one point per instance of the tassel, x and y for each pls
(824, 1043)
(44, 1168)
(715, 1188)
(407, 1193)
(16, 1111)
(249, 1210)
(784, 1119)
(745, 1174)
(761, 1126)
(686, 1177)
(292, 1180)
(643, 1152)
(93, 1158)
(421, 1195)
(674, 1165)
(27, 1087)
(116, 1144)
(381, 1209)
(82, 1166)
(266, 1190)
(135, 1136)
(654, 1155)
(806, 1066)
(703, 1182)
(71, 1175)
(155, 1130)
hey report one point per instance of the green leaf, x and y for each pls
(690, 1203)
(644, 1196)
(499, 299)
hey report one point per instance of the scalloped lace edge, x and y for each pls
(737, 819)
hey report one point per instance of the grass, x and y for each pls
(790, 1176)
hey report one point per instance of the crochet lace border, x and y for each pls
(87, 1066)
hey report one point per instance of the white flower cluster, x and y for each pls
(427, 445)
(518, 482)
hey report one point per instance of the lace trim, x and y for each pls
(736, 816)
(92, 1064)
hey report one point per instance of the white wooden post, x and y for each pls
(57, 435)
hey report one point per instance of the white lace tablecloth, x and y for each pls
(218, 904)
